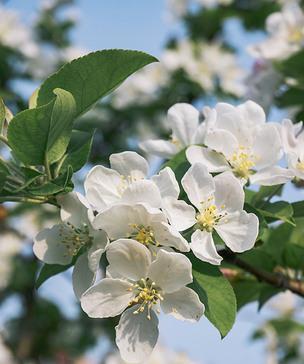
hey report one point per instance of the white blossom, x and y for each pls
(240, 142)
(286, 34)
(219, 202)
(127, 182)
(74, 237)
(146, 225)
(143, 287)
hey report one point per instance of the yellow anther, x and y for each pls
(300, 166)
(143, 234)
(242, 162)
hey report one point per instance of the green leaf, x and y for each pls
(62, 184)
(298, 209)
(49, 270)
(267, 291)
(246, 291)
(216, 293)
(2, 115)
(78, 150)
(92, 77)
(259, 258)
(3, 176)
(43, 133)
(279, 210)
(278, 238)
(266, 192)
(293, 256)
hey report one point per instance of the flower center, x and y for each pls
(143, 234)
(74, 238)
(174, 141)
(147, 295)
(209, 215)
(300, 166)
(295, 35)
(242, 162)
(125, 182)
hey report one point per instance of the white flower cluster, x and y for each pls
(232, 139)
(208, 65)
(286, 34)
(142, 225)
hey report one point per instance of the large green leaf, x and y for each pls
(265, 192)
(216, 293)
(42, 134)
(91, 77)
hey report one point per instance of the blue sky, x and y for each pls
(142, 25)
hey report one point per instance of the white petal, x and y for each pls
(129, 164)
(136, 336)
(238, 230)
(222, 141)
(74, 208)
(252, 113)
(214, 161)
(170, 271)
(166, 182)
(198, 184)
(102, 187)
(83, 277)
(183, 304)
(271, 176)
(161, 148)
(143, 191)
(203, 247)
(49, 248)
(267, 153)
(129, 259)
(118, 221)
(108, 298)
(184, 119)
(166, 235)
(229, 192)
(179, 213)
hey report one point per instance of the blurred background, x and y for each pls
(207, 51)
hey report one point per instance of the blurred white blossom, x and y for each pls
(286, 34)
(10, 246)
(15, 35)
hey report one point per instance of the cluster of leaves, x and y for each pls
(47, 148)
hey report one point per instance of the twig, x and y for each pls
(276, 280)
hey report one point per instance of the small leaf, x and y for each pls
(298, 209)
(62, 184)
(266, 293)
(78, 150)
(266, 192)
(43, 132)
(2, 115)
(49, 270)
(93, 76)
(216, 293)
(279, 210)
